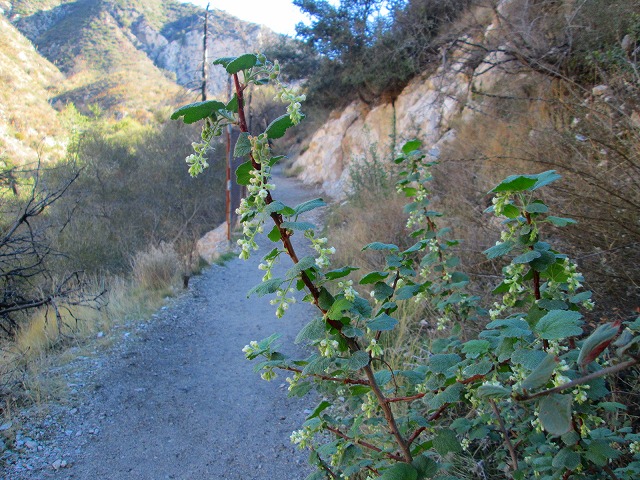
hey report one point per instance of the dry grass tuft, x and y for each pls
(157, 268)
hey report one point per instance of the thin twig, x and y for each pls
(505, 433)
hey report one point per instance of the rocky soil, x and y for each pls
(174, 398)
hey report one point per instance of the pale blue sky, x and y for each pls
(279, 15)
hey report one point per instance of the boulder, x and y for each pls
(213, 244)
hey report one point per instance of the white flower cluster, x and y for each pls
(370, 405)
(349, 291)
(374, 349)
(328, 347)
(257, 190)
(251, 348)
(289, 96)
(302, 437)
(500, 201)
(197, 161)
(267, 267)
(293, 381)
(320, 246)
(283, 301)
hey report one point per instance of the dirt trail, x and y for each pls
(178, 400)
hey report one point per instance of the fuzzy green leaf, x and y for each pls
(493, 391)
(274, 235)
(268, 286)
(380, 246)
(475, 348)
(499, 250)
(382, 322)
(242, 62)
(319, 409)
(243, 173)
(527, 257)
(243, 145)
(309, 205)
(411, 146)
(537, 207)
(340, 272)
(545, 178)
(559, 324)
(566, 458)
(358, 360)
(446, 442)
(555, 414)
(442, 362)
(400, 471)
(560, 222)
(195, 112)
(302, 226)
(541, 374)
(339, 306)
(515, 183)
(304, 264)
(279, 127)
(373, 277)
(313, 330)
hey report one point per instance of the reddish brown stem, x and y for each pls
(346, 381)
(315, 293)
(364, 444)
(579, 381)
(505, 434)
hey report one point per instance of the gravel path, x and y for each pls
(175, 398)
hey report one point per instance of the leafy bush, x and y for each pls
(527, 398)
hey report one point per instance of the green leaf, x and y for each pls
(232, 106)
(274, 235)
(268, 286)
(339, 306)
(302, 226)
(340, 272)
(595, 343)
(537, 207)
(305, 263)
(407, 292)
(279, 127)
(373, 277)
(382, 291)
(383, 377)
(544, 261)
(499, 250)
(475, 348)
(319, 409)
(566, 458)
(555, 414)
(511, 327)
(560, 222)
(601, 453)
(411, 146)
(382, 322)
(446, 442)
(515, 183)
(195, 112)
(527, 257)
(309, 205)
(242, 62)
(545, 178)
(426, 467)
(243, 145)
(380, 246)
(243, 173)
(312, 331)
(529, 359)
(493, 391)
(224, 61)
(559, 324)
(541, 374)
(358, 360)
(511, 211)
(400, 471)
(442, 362)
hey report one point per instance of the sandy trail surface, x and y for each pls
(176, 399)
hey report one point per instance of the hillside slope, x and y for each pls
(123, 58)
(28, 122)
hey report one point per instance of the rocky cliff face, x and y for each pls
(427, 109)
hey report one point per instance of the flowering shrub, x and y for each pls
(528, 398)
